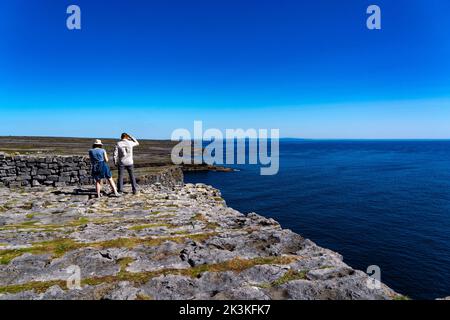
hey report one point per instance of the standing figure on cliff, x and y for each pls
(123, 159)
(100, 168)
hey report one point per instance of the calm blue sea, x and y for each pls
(384, 203)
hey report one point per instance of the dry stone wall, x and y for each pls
(59, 171)
(44, 170)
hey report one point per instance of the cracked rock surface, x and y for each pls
(180, 242)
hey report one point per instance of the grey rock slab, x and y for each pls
(24, 268)
(214, 282)
(197, 255)
(264, 274)
(124, 290)
(175, 214)
(171, 287)
(243, 293)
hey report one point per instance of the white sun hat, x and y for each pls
(98, 142)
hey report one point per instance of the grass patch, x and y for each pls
(26, 206)
(202, 218)
(236, 265)
(143, 297)
(59, 247)
(290, 276)
(102, 210)
(133, 242)
(162, 216)
(401, 297)
(37, 286)
(24, 225)
(180, 232)
(150, 225)
(7, 255)
(199, 217)
(29, 223)
(32, 226)
(81, 221)
(326, 267)
(212, 225)
(124, 263)
(10, 204)
(29, 216)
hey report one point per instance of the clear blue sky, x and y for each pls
(310, 68)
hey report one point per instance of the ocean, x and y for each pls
(377, 202)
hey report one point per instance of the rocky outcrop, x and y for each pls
(59, 171)
(167, 176)
(181, 242)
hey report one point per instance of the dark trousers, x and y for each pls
(130, 170)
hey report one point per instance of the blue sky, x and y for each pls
(310, 68)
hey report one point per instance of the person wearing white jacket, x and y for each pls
(123, 159)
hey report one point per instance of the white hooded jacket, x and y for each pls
(123, 153)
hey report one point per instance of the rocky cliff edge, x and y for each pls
(181, 242)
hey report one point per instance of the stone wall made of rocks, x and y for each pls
(44, 170)
(58, 171)
(169, 176)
